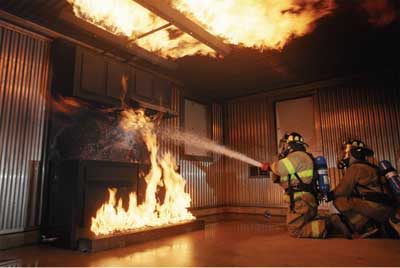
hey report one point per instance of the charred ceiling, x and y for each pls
(354, 37)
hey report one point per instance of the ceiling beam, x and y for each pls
(165, 11)
(116, 41)
(59, 29)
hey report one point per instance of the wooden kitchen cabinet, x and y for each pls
(152, 90)
(143, 86)
(98, 78)
(115, 72)
(90, 75)
(162, 92)
(94, 77)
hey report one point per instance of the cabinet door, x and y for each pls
(92, 73)
(115, 72)
(162, 92)
(144, 85)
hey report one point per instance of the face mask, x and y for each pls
(284, 151)
(344, 159)
(343, 163)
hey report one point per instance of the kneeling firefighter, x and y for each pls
(362, 198)
(294, 171)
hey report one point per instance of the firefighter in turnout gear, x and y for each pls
(361, 196)
(294, 171)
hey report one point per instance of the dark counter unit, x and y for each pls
(78, 188)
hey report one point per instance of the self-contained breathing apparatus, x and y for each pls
(391, 175)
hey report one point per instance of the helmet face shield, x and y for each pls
(284, 139)
(353, 148)
(283, 146)
(344, 156)
(282, 143)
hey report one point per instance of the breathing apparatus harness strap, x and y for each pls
(301, 186)
(373, 196)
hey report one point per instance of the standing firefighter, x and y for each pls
(361, 196)
(294, 171)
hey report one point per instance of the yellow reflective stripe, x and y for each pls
(306, 173)
(296, 195)
(315, 229)
(289, 166)
(302, 174)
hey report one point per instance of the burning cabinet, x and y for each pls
(152, 92)
(98, 78)
(92, 76)
(77, 188)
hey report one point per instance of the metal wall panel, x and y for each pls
(24, 66)
(370, 114)
(249, 127)
(173, 122)
(204, 179)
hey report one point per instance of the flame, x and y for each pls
(173, 43)
(258, 24)
(129, 19)
(112, 217)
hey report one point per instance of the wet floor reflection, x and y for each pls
(188, 249)
(232, 243)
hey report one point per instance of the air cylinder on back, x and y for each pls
(323, 178)
(391, 175)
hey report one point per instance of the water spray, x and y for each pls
(193, 140)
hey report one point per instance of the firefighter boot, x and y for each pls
(337, 224)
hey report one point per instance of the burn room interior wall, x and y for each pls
(369, 113)
(248, 126)
(365, 108)
(24, 69)
(205, 180)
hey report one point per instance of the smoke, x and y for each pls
(86, 132)
(83, 131)
(380, 12)
(193, 140)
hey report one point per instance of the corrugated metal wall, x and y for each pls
(249, 126)
(204, 179)
(173, 122)
(24, 66)
(371, 114)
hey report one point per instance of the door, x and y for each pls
(300, 115)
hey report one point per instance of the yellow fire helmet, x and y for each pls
(293, 137)
(356, 148)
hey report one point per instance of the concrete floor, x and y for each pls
(229, 243)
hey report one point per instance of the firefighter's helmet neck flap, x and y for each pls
(351, 151)
(291, 142)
